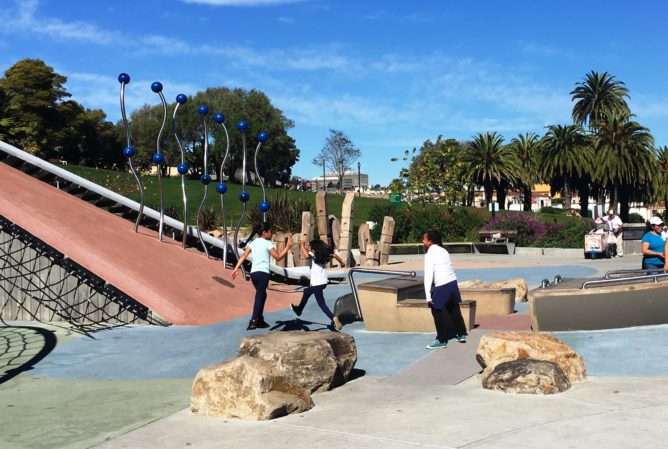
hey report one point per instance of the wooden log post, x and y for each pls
(306, 235)
(321, 214)
(333, 233)
(346, 240)
(363, 238)
(281, 241)
(371, 257)
(386, 240)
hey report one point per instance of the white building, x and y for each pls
(351, 182)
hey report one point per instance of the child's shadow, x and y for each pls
(300, 325)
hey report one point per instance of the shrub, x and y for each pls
(285, 213)
(635, 218)
(551, 210)
(529, 229)
(208, 220)
(566, 235)
(377, 214)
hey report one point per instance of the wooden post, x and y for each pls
(386, 240)
(371, 258)
(346, 241)
(281, 241)
(363, 238)
(306, 235)
(321, 214)
(334, 232)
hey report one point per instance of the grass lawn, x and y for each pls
(124, 184)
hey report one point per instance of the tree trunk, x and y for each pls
(526, 199)
(624, 203)
(471, 194)
(489, 192)
(584, 198)
(568, 197)
(613, 198)
(501, 193)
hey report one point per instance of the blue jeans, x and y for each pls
(316, 290)
(260, 281)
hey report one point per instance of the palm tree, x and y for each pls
(660, 184)
(492, 165)
(567, 160)
(597, 97)
(626, 161)
(526, 147)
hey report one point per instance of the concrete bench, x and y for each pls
(418, 248)
(491, 301)
(398, 305)
(498, 236)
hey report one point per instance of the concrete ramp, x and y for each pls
(182, 286)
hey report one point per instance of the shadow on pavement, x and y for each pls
(21, 348)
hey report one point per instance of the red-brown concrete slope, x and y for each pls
(178, 284)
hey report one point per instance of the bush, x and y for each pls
(208, 220)
(635, 218)
(377, 214)
(551, 210)
(529, 229)
(285, 213)
(566, 235)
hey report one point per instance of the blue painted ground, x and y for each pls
(147, 352)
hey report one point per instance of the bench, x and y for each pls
(418, 248)
(398, 305)
(498, 236)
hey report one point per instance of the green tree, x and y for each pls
(567, 158)
(527, 151)
(9, 131)
(339, 153)
(596, 98)
(492, 165)
(660, 182)
(38, 89)
(626, 159)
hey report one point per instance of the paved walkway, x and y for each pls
(131, 386)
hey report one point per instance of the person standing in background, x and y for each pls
(615, 228)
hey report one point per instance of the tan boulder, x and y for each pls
(317, 361)
(519, 284)
(527, 376)
(503, 347)
(246, 388)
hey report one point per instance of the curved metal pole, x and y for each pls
(222, 196)
(204, 178)
(243, 190)
(129, 150)
(365, 270)
(159, 158)
(257, 173)
(182, 168)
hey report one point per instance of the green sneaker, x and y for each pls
(437, 345)
(461, 338)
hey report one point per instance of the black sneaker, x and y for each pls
(296, 310)
(262, 324)
(252, 326)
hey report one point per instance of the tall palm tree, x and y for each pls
(625, 155)
(526, 147)
(567, 159)
(660, 184)
(596, 98)
(491, 165)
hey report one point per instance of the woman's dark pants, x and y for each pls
(260, 281)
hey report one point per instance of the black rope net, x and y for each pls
(39, 283)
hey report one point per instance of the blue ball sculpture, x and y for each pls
(244, 197)
(263, 136)
(219, 118)
(129, 151)
(221, 187)
(124, 78)
(264, 206)
(205, 179)
(158, 158)
(156, 87)
(181, 99)
(182, 169)
(242, 126)
(203, 110)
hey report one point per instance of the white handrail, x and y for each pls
(78, 180)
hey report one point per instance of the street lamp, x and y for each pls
(359, 177)
(324, 183)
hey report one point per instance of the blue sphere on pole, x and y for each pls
(219, 118)
(264, 206)
(205, 179)
(242, 126)
(181, 99)
(182, 169)
(244, 197)
(156, 86)
(158, 158)
(203, 110)
(263, 136)
(221, 187)
(124, 78)
(129, 152)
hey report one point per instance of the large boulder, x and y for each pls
(527, 376)
(317, 361)
(519, 284)
(246, 388)
(498, 348)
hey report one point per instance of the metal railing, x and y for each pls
(353, 287)
(629, 280)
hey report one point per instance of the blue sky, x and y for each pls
(390, 74)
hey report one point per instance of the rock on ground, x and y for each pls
(246, 388)
(501, 347)
(519, 284)
(317, 361)
(527, 376)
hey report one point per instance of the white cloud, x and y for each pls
(242, 2)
